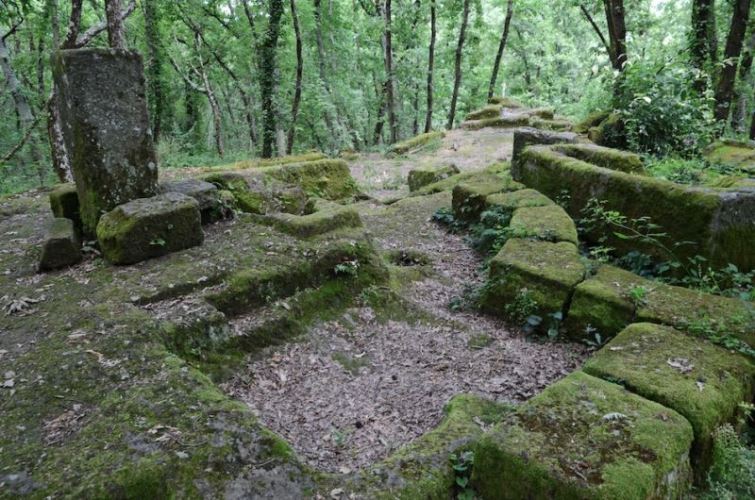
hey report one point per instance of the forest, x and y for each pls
(234, 79)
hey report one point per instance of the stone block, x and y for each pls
(206, 194)
(527, 136)
(61, 247)
(549, 223)
(64, 203)
(421, 177)
(150, 227)
(106, 128)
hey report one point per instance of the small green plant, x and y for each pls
(348, 268)
(158, 242)
(638, 295)
(445, 216)
(521, 308)
(462, 467)
(593, 338)
(732, 474)
(492, 232)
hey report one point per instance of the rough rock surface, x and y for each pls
(106, 128)
(150, 227)
(207, 195)
(61, 247)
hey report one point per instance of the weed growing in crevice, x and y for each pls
(462, 467)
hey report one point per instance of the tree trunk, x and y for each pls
(390, 88)
(430, 64)
(115, 34)
(704, 41)
(501, 47)
(734, 42)
(617, 32)
(299, 71)
(457, 65)
(217, 122)
(378, 133)
(155, 76)
(739, 98)
(267, 61)
(752, 127)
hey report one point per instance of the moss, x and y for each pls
(736, 154)
(510, 201)
(350, 363)
(593, 119)
(500, 170)
(548, 271)
(328, 218)
(61, 247)
(511, 121)
(282, 160)
(422, 469)
(505, 102)
(705, 386)
(601, 304)
(64, 203)
(328, 179)
(698, 312)
(612, 159)
(549, 222)
(609, 132)
(584, 438)
(420, 177)
(150, 227)
(413, 143)
(713, 219)
(489, 111)
(469, 197)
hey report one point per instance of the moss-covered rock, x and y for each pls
(206, 194)
(585, 438)
(701, 381)
(500, 170)
(421, 177)
(510, 201)
(327, 217)
(415, 142)
(61, 247)
(609, 132)
(469, 197)
(716, 221)
(150, 227)
(64, 203)
(697, 312)
(505, 102)
(592, 120)
(612, 159)
(328, 179)
(556, 124)
(489, 111)
(538, 276)
(423, 468)
(737, 154)
(526, 136)
(602, 304)
(256, 194)
(508, 121)
(549, 223)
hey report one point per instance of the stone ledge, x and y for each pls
(549, 223)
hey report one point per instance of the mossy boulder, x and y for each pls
(150, 227)
(469, 197)
(255, 194)
(61, 247)
(592, 120)
(421, 177)
(602, 304)
(505, 102)
(549, 223)
(510, 201)
(328, 179)
(489, 111)
(415, 142)
(585, 438)
(500, 170)
(556, 124)
(280, 160)
(507, 121)
(738, 154)
(536, 276)
(612, 159)
(526, 136)
(206, 194)
(717, 222)
(609, 132)
(64, 203)
(699, 380)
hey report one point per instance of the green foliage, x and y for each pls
(462, 465)
(732, 475)
(686, 170)
(521, 309)
(490, 234)
(445, 216)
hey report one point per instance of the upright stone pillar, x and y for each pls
(106, 128)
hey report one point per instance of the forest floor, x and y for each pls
(360, 386)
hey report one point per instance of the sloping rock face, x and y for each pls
(106, 128)
(150, 227)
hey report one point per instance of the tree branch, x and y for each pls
(13, 29)
(95, 30)
(597, 30)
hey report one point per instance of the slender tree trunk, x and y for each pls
(154, 66)
(752, 127)
(501, 47)
(704, 41)
(378, 133)
(115, 34)
(297, 89)
(390, 89)
(430, 69)
(734, 42)
(457, 65)
(739, 98)
(617, 32)
(267, 78)
(217, 122)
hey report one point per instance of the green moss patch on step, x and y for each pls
(510, 201)
(328, 217)
(421, 177)
(612, 159)
(489, 111)
(585, 438)
(423, 469)
(501, 170)
(538, 276)
(510, 121)
(736, 154)
(701, 381)
(602, 304)
(469, 197)
(549, 223)
(413, 143)
(505, 102)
